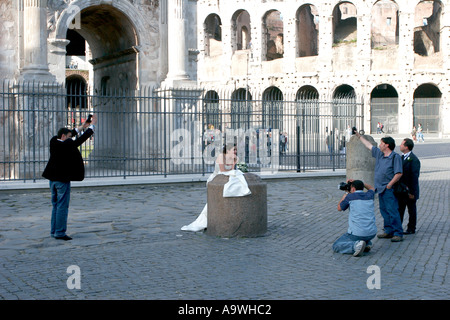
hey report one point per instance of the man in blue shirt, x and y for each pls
(361, 219)
(388, 171)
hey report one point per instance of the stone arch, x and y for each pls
(211, 110)
(384, 108)
(128, 10)
(307, 92)
(385, 24)
(272, 108)
(80, 73)
(213, 35)
(307, 32)
(77, 98)
(76, 88)
(344, 91)
(427, 107)
(427, 34)
(344, 108)
(113, 33)
(344, 22)
(241, 109)
(241, 30)
(307, 109)
(272, 35)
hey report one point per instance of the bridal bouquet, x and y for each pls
(242, 166)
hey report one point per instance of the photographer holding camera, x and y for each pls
(361, 218)
(65, 165)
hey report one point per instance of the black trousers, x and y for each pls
(406, 202)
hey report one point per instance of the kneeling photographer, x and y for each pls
(361, 218)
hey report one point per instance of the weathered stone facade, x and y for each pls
(373, 49)
(365, 45)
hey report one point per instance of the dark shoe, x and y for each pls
(409, 232)
(65, 238)
(396, 239)
(384, 235)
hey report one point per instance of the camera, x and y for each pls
(344, 186)
(354, 131)
(89, 119)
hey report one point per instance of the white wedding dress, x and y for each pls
(235, 187)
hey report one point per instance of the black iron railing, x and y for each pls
(166, 132)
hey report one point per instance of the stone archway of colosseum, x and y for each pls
(81, 73)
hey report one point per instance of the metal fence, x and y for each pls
(166, 132)
(384, 111)
(426, 112)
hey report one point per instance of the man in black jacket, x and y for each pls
(65, 165)
(410, 177)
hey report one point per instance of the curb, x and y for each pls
(171, 179)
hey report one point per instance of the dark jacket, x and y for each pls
(66, 163)
(411, 172)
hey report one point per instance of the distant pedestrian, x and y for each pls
(413, 133)
(361, 219)
(286, 142)
(65, 165)
(330, 144)
(388, 170)
(420, 133)
(410, 177)
(282, 143)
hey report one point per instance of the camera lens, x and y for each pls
(344, 186)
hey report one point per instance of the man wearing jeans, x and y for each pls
(388, 171)
(65, 165)
(361, 219)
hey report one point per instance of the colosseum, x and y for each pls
(394, 55)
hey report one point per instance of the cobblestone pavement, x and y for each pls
(127, 244)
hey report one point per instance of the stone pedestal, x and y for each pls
(237, 216)
(360, 163)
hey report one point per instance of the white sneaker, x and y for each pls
(359, 248)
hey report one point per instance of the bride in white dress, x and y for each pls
(237, 185)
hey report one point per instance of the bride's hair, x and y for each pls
(228, 146)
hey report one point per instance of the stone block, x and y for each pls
(237, 216)
(360, 163)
